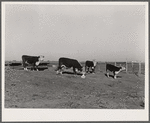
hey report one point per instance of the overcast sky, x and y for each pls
(83, 32)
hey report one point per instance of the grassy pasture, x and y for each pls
(45, 89)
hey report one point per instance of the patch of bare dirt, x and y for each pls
(45, 89)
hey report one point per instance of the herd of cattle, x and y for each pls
(65, 63)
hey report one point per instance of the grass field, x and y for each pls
(45, 89)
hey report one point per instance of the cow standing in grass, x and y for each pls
(113, 69)
(33, 60)
(90, 65)
(65, 63)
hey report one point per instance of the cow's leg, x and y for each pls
(24, 65)
(58, 70)
(74, 70)
(115, 75)
(93, 71)
(33, 66)
(85, 68)
(36, 68)
(107, 73)
(25, 68)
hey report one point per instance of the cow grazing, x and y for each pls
(65, 63)
(113, 69)
(32, 60)
(90, 65)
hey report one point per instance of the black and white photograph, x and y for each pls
(75, 61)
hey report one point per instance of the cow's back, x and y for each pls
(89, 63)
(112, 67)
(30, 59)
(69, 62)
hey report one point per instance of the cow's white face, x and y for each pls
(83, 72)
(41, 58)
(123, 68)
(94, 62)
(63, 67)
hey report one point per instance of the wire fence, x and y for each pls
(131, 67)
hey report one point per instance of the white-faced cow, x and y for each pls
(69, 63)
(32, 60)
(113, 69)
(90, 65)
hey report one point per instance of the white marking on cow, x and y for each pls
(83, 76)
(26, 62)
(107, 74)
(41, 58)
(61, 72)
(76, 70)
(53, 65)
(94, 62)
(116, 72)
(25, 69)
(63, 67)
(37, 63)
(57, 72)
(115, 76)
(122, 68)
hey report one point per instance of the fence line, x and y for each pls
(131, 67)
(139, 67)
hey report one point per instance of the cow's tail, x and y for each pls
(59, 65)
(85, 66)
(106, 66)
(23, 61)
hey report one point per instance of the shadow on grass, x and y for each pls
(89, 72)
(113, 76)
(72, 73)
(31, 69)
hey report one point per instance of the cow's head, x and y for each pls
(80, 69)
(94, 62)
(122, 68)
(41, 58)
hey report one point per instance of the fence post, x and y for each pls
(132, 67)
(126, 66)
(139, 67)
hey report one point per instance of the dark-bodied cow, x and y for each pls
(90, 65)
(69, 63)
(32, 60)
(113, 69)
